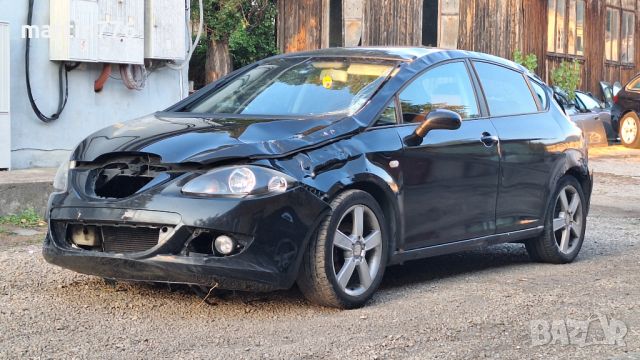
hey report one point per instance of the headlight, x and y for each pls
(61, 181)
(239, 181)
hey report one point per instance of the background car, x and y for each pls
(625, 112)
(591, 115)
(323, 168)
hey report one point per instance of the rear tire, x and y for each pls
(629, 129)
(565, 223)
(346, 258)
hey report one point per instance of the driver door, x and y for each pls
(450, 181)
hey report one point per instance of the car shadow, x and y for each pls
(448, 266)
(410, 274)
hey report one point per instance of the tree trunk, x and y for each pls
(218, 62)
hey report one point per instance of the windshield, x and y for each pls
(298, 86)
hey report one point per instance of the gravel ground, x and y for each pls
(469, 305)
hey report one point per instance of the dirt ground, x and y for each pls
(469, 305)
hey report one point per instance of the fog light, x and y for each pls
(224, 244)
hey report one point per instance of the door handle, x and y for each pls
(488, 140)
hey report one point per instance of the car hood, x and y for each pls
(181, 137)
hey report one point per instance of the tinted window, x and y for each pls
(388, 116)
(541, 93)
(506, 91)
(445, 87)
(589, 102)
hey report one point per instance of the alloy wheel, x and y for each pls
(567, 220)
(357, 250)
(629, 130)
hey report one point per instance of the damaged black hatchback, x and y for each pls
(323, 168)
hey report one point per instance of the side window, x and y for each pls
(388, 116)
(540, 92)
(589, 102)
(506, 91)
(447, 86)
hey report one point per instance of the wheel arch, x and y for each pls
(575, 164)
(385, 197)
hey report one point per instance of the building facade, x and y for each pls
(600, 34)
(27, 142)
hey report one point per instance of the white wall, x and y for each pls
(36, 144)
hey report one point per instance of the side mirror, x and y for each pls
(439, 119)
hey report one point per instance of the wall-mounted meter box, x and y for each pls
(109, 31)
(165, 30)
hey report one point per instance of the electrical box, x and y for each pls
(105, 31)
(5, 118)
(165, 30)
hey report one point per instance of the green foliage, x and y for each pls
(567, 77)
(27, 218)
(255, 39)
(249, 26)
(221, 17)
(529, 61)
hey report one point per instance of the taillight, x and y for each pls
(615, 99)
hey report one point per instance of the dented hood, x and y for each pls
(181, 137)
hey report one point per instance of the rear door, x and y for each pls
(450, 181)
(519, 112)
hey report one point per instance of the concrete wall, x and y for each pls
(36, 144)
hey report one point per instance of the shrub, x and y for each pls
(567, 77)
(529, 61)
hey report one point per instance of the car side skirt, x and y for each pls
(464, 245)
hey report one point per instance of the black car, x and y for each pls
(323, 168)
(625, 112)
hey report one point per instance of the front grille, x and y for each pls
(122, 239)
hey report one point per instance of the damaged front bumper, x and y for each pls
(162, 236)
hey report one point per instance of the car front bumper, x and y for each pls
(277, 229)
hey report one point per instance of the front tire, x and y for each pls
(346, 258)
(629, 128)
(565, 224)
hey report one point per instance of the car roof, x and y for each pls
(406, 54)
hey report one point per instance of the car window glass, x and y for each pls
(589, 102)
(298, 87)
(447, 86)
(635, 85)
(506, 91)
(541, 93)
(388, 116)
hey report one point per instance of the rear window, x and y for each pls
(298, 86)
(634, 85)
(506, 90)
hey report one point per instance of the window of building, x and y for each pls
(430, 14)
(565, 27)
(506, 91)
(335, 23)
(620, 31)
(447, 86)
